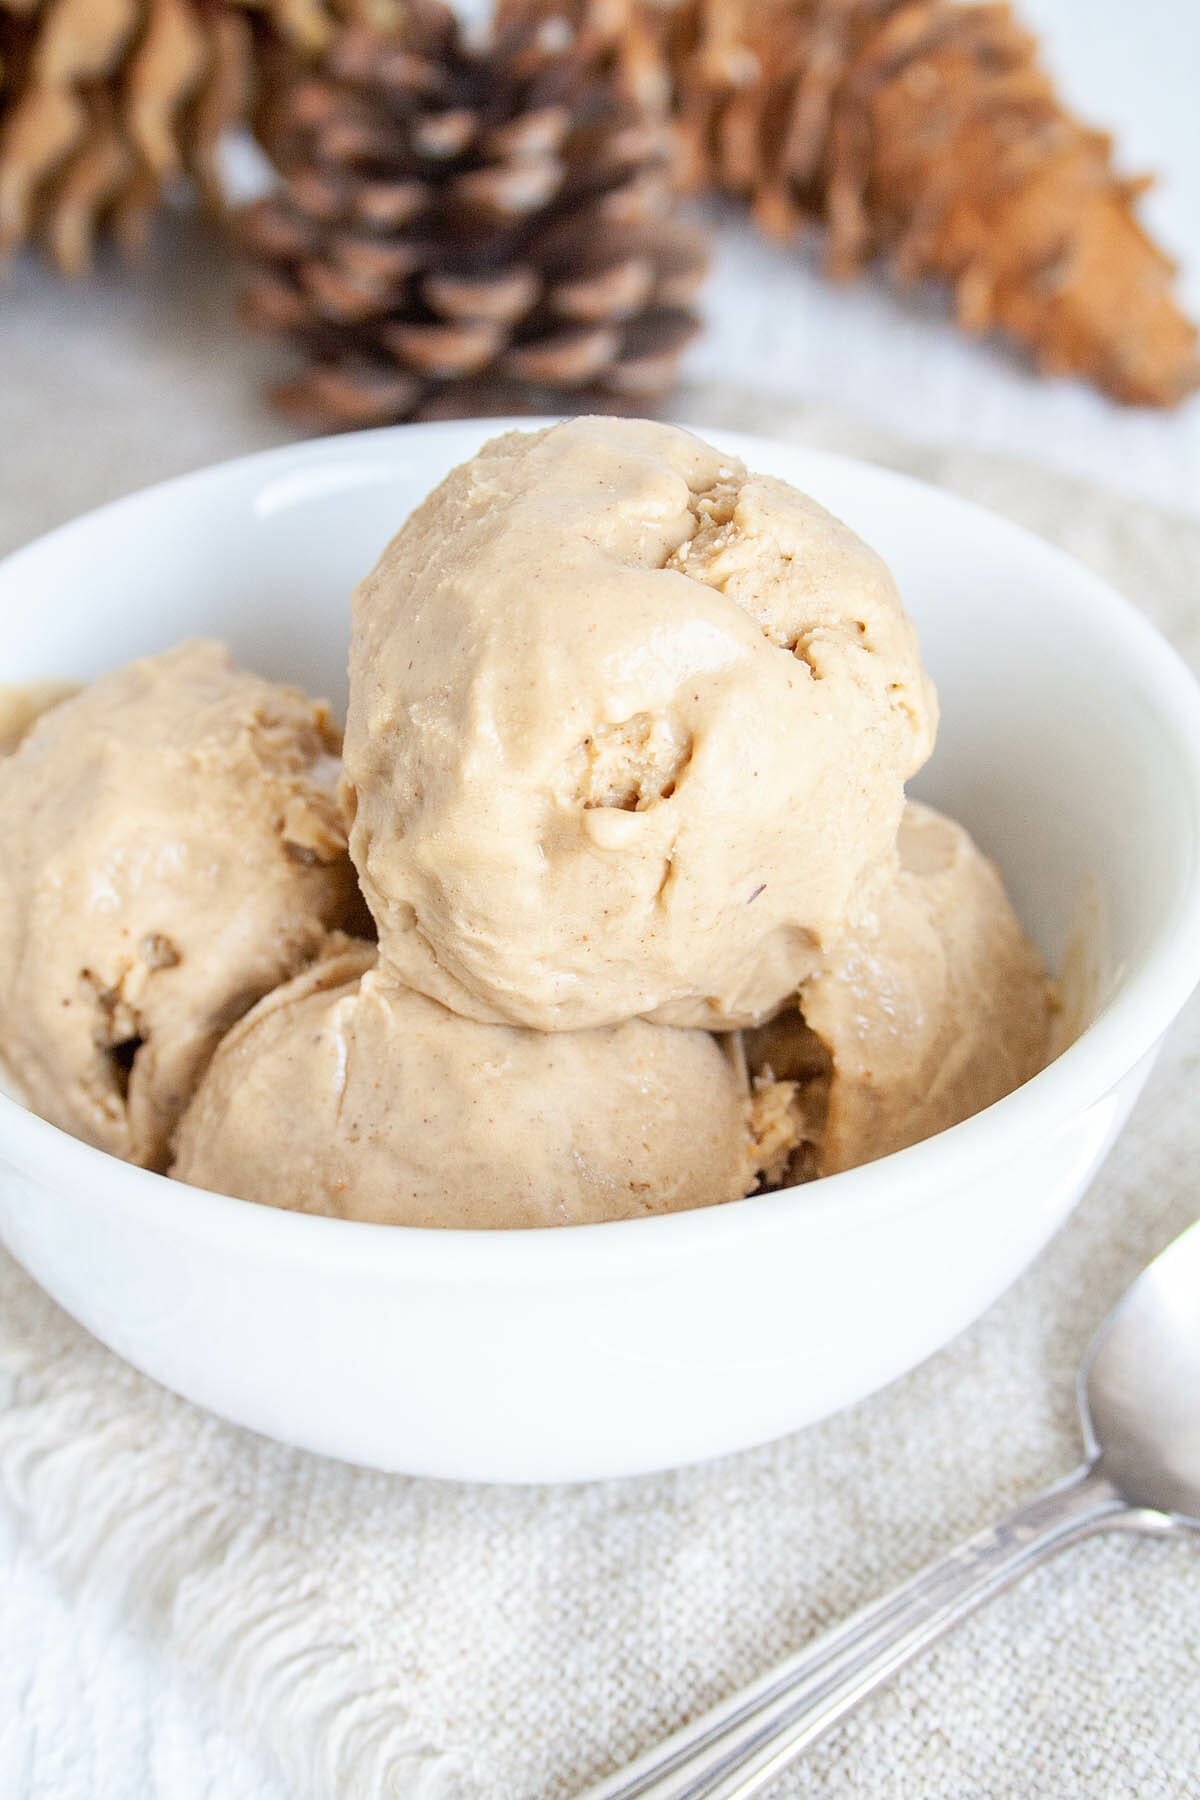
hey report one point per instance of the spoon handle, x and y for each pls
(739, 1747)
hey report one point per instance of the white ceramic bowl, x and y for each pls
(1070, 745)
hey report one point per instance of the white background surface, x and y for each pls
(87, 1713)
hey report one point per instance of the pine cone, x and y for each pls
(470, 230)
(104, 102)
(924, 131)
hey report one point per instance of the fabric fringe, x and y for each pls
(104, 1511)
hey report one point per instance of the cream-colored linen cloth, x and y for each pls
(382, 1636)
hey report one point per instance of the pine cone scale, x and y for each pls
(375, 261)
(337, 296)
(167, 66)
(615, 293)
(446, 350)
(353, 395)
(445, 135)
(82, 41)
(389, 205)
(272, 304)
(536, 136)
(566, 359)
(46, 127)
(508, 192)
(504, 298)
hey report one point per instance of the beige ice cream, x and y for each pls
(173, 848)
(344, 1094)
(628, 732)
(933, 1008)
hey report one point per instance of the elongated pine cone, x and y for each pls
(104, 102)
(470, 229)
(924, 131)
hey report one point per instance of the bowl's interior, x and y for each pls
(1054, 748)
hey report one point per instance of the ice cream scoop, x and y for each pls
(628, 732)
(344, 1094)
(932, 1008)
(173, 848)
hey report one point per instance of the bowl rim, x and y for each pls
(1149, 996)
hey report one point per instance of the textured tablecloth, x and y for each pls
(189, 1611)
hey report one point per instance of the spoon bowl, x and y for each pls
(1139, 1391)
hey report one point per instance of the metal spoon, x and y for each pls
(1139, 1395)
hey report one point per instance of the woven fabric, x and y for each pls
(384, 1636)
